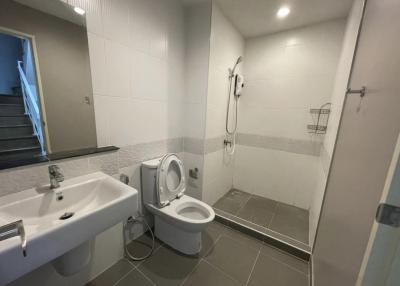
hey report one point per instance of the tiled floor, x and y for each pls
(228, 258)
(282, 218)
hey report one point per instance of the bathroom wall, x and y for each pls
(197, 52)
(226, 46)
(137, 60)
(337, 99)
(286, 74)
(11, 51)
(369, 130)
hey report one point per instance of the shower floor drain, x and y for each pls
(66, 216)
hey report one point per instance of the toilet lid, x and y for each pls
(170, 179)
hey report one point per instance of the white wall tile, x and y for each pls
(194, 186)
(149, 77)
(93, 9)
(118, 69)
(115, 15)
(278, 175)
(98, 65)
(101, 107)
(286, 74)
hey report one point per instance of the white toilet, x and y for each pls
(178, 219)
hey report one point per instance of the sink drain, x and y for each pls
(66, 216)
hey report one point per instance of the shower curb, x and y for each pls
(290, 249)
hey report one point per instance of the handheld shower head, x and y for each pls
(238, 61)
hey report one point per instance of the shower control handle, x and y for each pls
(227, 142)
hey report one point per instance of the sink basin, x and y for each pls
(90, 205)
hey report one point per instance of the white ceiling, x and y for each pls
(258, 17)
(56, 8)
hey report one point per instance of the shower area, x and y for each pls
(268, 110)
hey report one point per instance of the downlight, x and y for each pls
(79, 10)
(283, 12)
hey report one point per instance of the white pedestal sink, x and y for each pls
(97, 202)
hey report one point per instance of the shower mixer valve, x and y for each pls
(228, 142)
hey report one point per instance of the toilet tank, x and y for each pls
(149, 173)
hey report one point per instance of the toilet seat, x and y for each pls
(186, 212)
(170, 180)
(178, 219)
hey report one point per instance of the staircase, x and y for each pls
(17, 140)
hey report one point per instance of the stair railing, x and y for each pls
(31, 106)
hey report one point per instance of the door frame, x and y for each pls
(388, 182)
(39, 87)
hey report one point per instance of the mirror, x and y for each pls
(46, 97)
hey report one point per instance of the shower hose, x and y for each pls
(132, 221)
(231, 134)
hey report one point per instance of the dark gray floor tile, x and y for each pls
(135, 278)
(292, 227)
(113, 274)
(270, 272)
(285, 258)
(142, 246)
(258, 210)
(261, 202)
(291, 221)
(292, 212)
(232, 201)
(233, 258)
(295, 229)
(209, 237)
(242, 238)
(205, 274)
(168, 267)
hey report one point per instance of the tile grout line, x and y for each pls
(287, 265)
(194, 268)
(154, 251)
(123, 276)
(242, 242)
(222, 271)
(214, 266)
(254, 266)
(145, 276)
(242, 206)
(273, 216)
(202, 258)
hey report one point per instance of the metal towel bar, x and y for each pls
(14, 229)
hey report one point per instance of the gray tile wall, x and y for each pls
(22, 178)
(298, 146)
(210, 145)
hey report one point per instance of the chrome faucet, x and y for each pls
(55, 176)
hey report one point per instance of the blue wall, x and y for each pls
(10, 53)
(29, 65)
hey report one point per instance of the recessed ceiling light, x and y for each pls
(79, 11)
(283, 12)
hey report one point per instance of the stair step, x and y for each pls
(10, 99)
(12, 109)
(13, 131)
(18, 142)
(20, 150)
(20, 155)
(14, 120)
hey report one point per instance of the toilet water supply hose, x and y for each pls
(132, 221)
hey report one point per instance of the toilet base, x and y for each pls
(186, 242)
